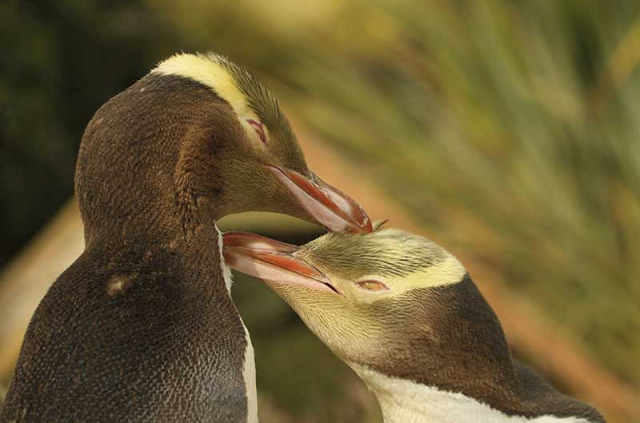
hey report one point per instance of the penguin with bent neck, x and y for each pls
(405, 315)
(141, 327)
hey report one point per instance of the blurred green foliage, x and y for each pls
(61, 60)
(508, 128)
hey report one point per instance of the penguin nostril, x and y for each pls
(331, 287)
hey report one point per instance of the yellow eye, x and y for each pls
(372, 285)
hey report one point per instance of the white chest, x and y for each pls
(403, 401)
(226, 272)
(249, 370)
(249, 374)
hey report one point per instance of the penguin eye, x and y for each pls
(259, 128)
(372, 285)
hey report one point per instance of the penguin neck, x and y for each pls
(195, 252)
(467, 375)
(185, 230)
(464, 350)
(403, 401)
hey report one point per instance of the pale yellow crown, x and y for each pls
(217, 73)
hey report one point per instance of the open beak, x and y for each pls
(271, 260)
(329, 206)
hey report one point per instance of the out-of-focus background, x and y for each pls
(507, 131)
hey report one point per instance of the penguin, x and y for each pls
(405, 315)
(141, 327)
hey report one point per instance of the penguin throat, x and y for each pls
(403, 401)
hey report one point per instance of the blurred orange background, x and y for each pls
(506, 131)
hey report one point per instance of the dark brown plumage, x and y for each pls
(141, 328)
(457, 345)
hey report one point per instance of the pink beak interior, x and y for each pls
(271, 260)
(329, 206)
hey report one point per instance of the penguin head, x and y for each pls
(364, 295)
(404, 314)
(202, 133)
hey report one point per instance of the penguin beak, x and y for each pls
(272, 261)
(329, 206)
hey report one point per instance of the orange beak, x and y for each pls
(329, 206)
(272, 261)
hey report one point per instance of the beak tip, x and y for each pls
(325, 204)
(367, 227)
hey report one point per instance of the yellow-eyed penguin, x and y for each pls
(141, 328)
(406, 316)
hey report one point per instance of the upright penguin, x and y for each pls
(406, 316)
(141, 327)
